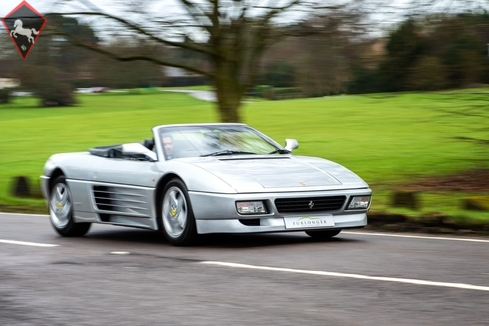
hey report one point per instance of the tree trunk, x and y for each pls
(229, 92)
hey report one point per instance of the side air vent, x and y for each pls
(102, 198)
(309, 204)
(120, 199)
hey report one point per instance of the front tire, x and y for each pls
(177, 219)
(323, 234)
(61, 210)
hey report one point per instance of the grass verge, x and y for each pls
(390, 140)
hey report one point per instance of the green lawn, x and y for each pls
(389, 140)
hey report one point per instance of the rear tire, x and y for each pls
(323, 234)
(61, 210)
(175, 217)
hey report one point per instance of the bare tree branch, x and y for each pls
(98, 49)
(141, 30)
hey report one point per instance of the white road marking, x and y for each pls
(356, 276)
(415, 236)
(23, 214)
(395, 235)
(32, 244)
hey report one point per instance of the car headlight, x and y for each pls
(251, 207)
(360, 202)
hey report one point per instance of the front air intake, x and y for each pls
(309, 204)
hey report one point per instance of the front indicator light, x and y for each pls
(360, 202)
(251, 207)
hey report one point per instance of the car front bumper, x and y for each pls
(216, 213)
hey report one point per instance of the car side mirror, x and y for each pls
(137, 149)
(291, 144)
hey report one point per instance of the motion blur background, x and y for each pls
(414, 72)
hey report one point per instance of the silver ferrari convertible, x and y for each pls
(193, 179)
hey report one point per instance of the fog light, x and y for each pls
(359, 202)
(251, 207)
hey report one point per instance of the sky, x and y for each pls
(113, 6)
(110, 6)
(162, 8)
(44, 6)
(47, 6)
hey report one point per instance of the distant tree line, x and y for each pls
(430, 53)
(433, 53)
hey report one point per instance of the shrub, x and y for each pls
(57, 94)
(288, 93)
(279, 74)
(4, 95)
(47, 84)
(263, 90)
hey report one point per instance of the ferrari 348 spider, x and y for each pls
(203, 178)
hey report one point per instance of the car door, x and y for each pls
(123, 187)
(124, 172)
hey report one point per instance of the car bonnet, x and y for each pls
(247, 174)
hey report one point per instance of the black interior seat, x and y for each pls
(149, 143)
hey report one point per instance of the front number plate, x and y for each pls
(305, 222)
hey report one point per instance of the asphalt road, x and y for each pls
(123, 276)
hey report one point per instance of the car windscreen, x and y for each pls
(193, 141)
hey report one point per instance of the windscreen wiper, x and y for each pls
(280, 151)
(227, 152)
